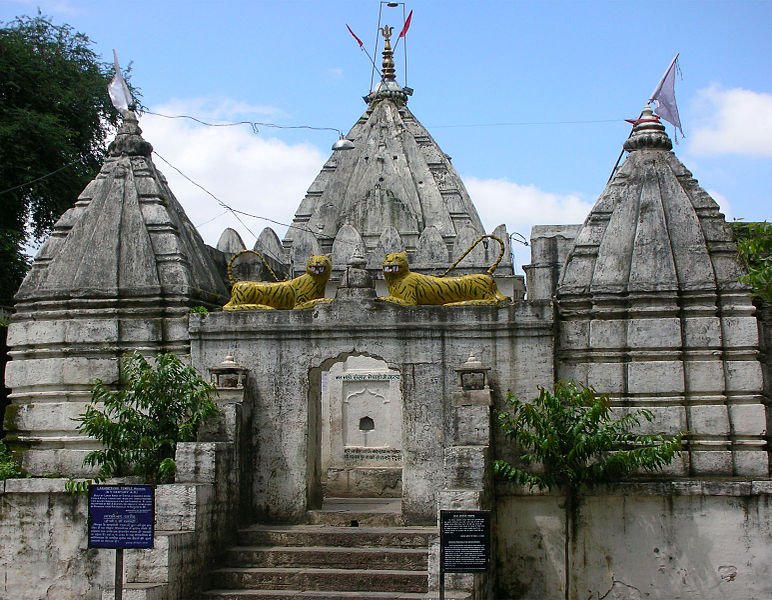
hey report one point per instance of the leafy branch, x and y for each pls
(140, 424)
(569, 439)
(754, 243)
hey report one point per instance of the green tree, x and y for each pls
(754, 243)
(140, 424)
(55, 115)
(570, 440)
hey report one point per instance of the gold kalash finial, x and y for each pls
(387, 71)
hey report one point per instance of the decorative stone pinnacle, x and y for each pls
(648, 133)
(129, 140)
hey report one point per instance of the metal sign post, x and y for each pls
(121, 516)
(465, 543)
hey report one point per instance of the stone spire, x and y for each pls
(651, 310)
(396, 177)
(125, 236)
(119, 273)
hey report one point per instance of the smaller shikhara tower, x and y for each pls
(395, 190)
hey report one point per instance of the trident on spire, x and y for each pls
(387, 71)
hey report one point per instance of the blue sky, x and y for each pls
(529, 98)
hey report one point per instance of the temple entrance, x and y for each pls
(361, 429)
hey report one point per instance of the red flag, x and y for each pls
(355, 36)
(406, 26)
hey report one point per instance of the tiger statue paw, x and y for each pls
(411, 289)
(299, 293)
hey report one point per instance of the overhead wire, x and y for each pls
(255, 125)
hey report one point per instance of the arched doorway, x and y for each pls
(359, 428)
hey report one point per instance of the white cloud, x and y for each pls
(723, 204)
(734, 121)
(521, 207)
(254, 173)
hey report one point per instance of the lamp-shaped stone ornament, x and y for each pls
(472, 375)
(228, 374)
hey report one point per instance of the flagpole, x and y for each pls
(621, 153)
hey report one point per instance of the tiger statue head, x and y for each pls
(409, 289)
(395, 266)
(304, 291)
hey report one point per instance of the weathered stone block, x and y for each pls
(466, 466)
(711, 462)
(748, 419)
(197, 462)
(574, 335)
(708, 420)
(368, 482)
(471, 426)
(607, 378)
(607, 334)
(743, 376)
(666, 377)
(63, 460)
(740, 332)
(80, 331)
(751, 463)
(702, 332)
(60, 371)
(654, 333)
(453, 499)
(48, 416)
(177, 505)
(704, 376)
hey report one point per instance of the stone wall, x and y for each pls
(44, 552)
(675, 540)
(286, 352)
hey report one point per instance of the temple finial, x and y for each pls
(387, 71)
(648, 133)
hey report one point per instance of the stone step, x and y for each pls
(348, 537)
(367, 512)
(140, 591)
(328, 556)
(354, 518)
(338, 580)
(317, 595)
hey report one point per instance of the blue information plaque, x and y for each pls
(121, 516)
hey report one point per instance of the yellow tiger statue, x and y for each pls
(410, 289)
(301, 292)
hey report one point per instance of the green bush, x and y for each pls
(569, 438)
(754, 243)
(9, 468)
(140, 424)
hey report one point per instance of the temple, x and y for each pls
(357, 417)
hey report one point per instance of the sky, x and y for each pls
(528, 98)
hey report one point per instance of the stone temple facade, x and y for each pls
(361, 398)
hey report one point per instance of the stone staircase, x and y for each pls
(352, 548)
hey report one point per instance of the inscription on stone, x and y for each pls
(368, 377)
(360, 455)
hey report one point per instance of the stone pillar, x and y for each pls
(222, 452)
(467, 465)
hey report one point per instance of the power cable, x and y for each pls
(46, 176)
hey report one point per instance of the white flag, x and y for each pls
(664, 97)
(118, 90)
